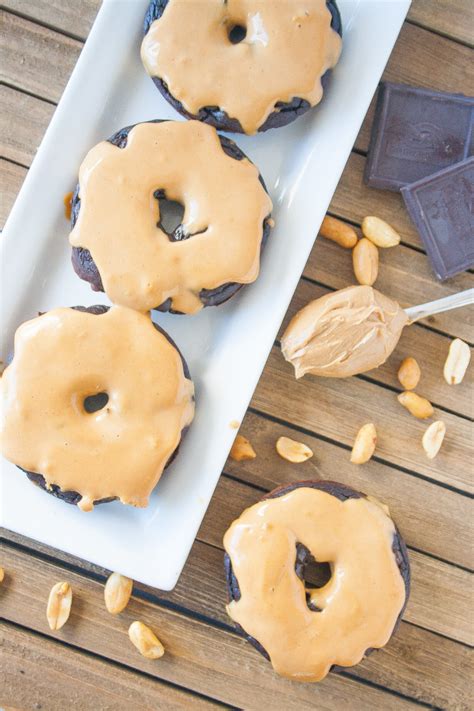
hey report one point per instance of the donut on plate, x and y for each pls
(305, 631)
(241, 65)
(95, 402)
(119, 242)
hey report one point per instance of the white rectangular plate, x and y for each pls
(225, 347)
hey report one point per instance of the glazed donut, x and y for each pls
(241, 65)
(119, 243)
(305, 632)
(94, 404)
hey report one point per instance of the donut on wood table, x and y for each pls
(126, 187)
(241, 65)
(305, 629)
(95, 402)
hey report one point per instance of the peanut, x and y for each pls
(117, 592)
(379, 232)
(415, 404)
(339, 232)
(433, 438)
(293, 451)
(145, 640)
(409, 373)
(242, 449)
(364, 444)
(365, 261)
(457, 361)
(59, 605)
(2, 575)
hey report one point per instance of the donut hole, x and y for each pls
(94, 403)
(171, 216)
(237, 33)
(311, 572)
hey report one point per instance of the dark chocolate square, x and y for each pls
(442, 209)
(417, 132)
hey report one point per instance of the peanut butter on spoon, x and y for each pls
(354, 330)
(343, 333)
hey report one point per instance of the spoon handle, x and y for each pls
(463, 298)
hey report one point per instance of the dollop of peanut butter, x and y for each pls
(343, 333)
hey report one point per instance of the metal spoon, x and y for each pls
(464, 298)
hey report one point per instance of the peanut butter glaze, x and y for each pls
(225, 207)
(289, 45)
(64, 356)
(343, 333)
(358, 607)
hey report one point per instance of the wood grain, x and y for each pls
(11, 180)
(73, 18)
(336, 409)
(454, 18)
(35, 670)
(203, 658)
(416, 663)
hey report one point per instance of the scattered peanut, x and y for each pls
(433, 438)
(415, 404)
(379, 232)
(364, 444)
(409, 373)
(145, 640)
(339, 232)
(457, 361)
(117, 592)
(2, 575)
(234, 424)
(59, 605)
(365, 261)
(293, 451)
(242, 449)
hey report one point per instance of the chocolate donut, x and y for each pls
(95, 408)
(391, 590)
(219, 84)
(118, 268)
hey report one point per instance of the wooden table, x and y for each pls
(90, 664)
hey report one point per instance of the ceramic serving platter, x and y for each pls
(226, 347)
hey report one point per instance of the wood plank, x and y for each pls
(74, 18)
(23, 121)
(209, 660)
(454, 18)
(337, 408)
(432, 520)
(40, 673)
(34, 58)
(429, 348)
(416, 663)
(11, 180)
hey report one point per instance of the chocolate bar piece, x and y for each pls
(442, 209)
(417, 132)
